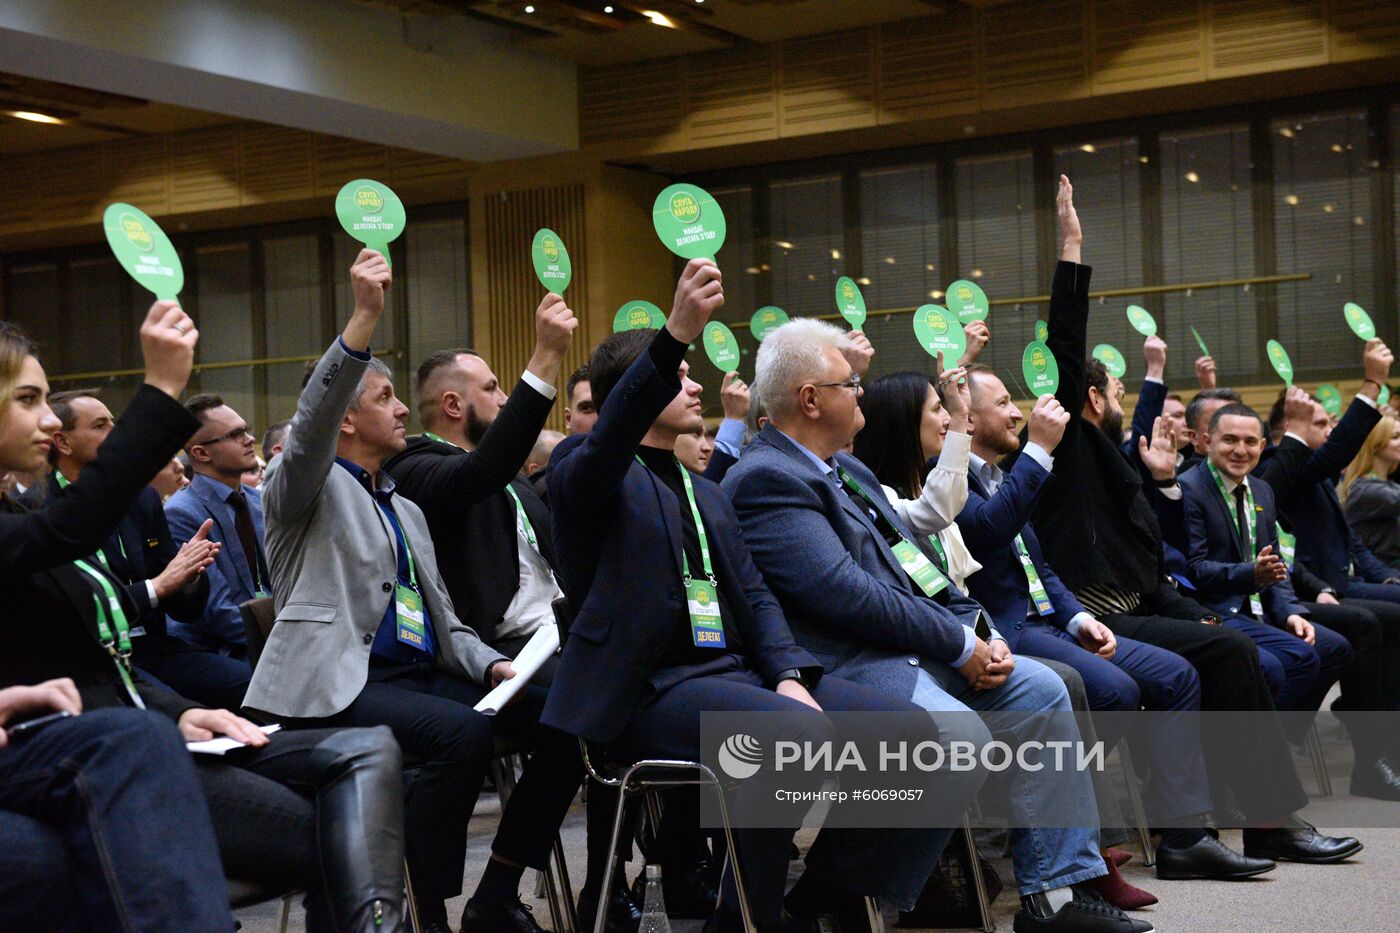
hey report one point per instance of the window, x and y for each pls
(899, 246)
(806, 244)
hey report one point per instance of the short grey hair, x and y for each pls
(789, 357)
(375, 366)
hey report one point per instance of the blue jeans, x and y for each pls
(1044, 858)
(117, 789)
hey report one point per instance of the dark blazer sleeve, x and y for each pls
(186, 605)
(1203, 527)
(990, 524)
(1069, 336)
(719, 465)
(1280, 601)
(1294, 467)
(1368, 566)
(1145, 413)
(1306, 583)
(73, 525)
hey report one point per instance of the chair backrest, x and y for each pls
(563, 615)
(259, 616)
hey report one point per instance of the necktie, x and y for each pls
(1242, 516)
(247, 534)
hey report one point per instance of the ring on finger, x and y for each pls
(181, 326)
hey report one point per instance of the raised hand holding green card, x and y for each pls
(1331, 398)
(638, 315)
(938, 331)
(721, 347)
(1112, 360)
(766, 320)
(143, 250)
(1142, 320)
(1278, 356)
(1040, 369)
(689, 221)
(1359, 321)
(371, 213)
(551, 259)
(850, 302)
(967, 301)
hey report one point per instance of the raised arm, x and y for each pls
(292, 488)
(1069, 307)
(1153, 395)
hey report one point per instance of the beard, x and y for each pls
(476, 426)
(1112, 424)
(1003, 443)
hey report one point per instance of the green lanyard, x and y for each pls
(106, 564)
(441, 440)
(1038, 594)
(1247, 546)
(118, 645)
(1287, 546)
(701, 596)
(699, 528)
(937, 544)
(524, 520)
(919, 568)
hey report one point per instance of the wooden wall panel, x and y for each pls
(733, 97)
(1146, 43)
(1034, 53)
(70, 186)
(204, 171)
(1364, 29)
(275, 163)
(635, 101)
(827, 83)
(140, 174)
(1253, 36)
(928, 67)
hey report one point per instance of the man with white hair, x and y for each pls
(867, 598)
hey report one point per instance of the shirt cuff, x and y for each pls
(1368, 400)
(956, 447)
(1079, 619)
(1153, 379)
(1295, 437)
(969, 645)
(151, 592)
(539, 385)
(1173, 492)
(354, 354)
(730, 436)
(1040, 455)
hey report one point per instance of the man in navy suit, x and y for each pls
(1231, 522)
(856, 586)
(1042, 618)
(638, 540)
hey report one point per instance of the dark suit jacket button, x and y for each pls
(369, 639)
(388, 587)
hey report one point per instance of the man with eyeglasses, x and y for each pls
(222, 451)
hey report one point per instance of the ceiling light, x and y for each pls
(889, 260)
(1359, 221)
(928, 266)
(529, 9)
(33, 116)
(936, 293)
(811, 277)
(976, 273)
(1291, 200)
(863, 280)
(1336, 147)
(836, 254)
(659, 19)
(1143, 159)
(783, 244)
(1287, 132)
(752, 270)
(1192, 177)
(1328, 208)
(1087, 147)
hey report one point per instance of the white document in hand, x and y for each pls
(527, 663)
(223, 744)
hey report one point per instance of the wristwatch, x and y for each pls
(791, 673)
(1328, 590)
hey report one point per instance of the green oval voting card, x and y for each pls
(371, 213)
(1359, 321)
(1330, 397)
(1042, 331)
(1040, 369)
(766, 320)
(721, 347)
(144, 250)
(1142, 320)
(551, 259)
(1112, 360)
(850, 302)
(638, 315)
(689, 221)
(1205, 351)
(938, 331)
(967, 300)
(1384, 396)
(1278, 356)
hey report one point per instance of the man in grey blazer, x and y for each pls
(366, 633)
(858, 598)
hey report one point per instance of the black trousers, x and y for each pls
(430, 712)
(1373, 629)
(1255, 763)
(1387, 616)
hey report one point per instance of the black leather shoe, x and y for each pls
(1301, 843)
(624, 913)
(1379, 779)
(1085, 913)
(510, 917)
(1208, 858)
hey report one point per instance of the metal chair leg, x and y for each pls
(979, 882)
(873, 917)
(600, 921)
(1149, 856)
(1313, 743)
(410, 901)
(566, 888)
(733, 855)
(286, 915)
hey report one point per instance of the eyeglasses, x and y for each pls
(852, 383)
(237, 434)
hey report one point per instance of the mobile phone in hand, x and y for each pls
(27, 728)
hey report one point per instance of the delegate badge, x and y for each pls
(766, 320)
(1142, 320)
(1112, 360)
(1278, 356)
(689, 221)
(1331, 398)
(638, 315)
(1042, 331)
(967, 301)
(408, 608)
(920, 569)
(371, 213)
(143, 250)
(552, 266)
(706, 625)
(1205, 351)
(938, 330)
(1040, 369)
(1359, 321)
(721, 347)
(850, 302)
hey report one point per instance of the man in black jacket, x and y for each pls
(1101, 534)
